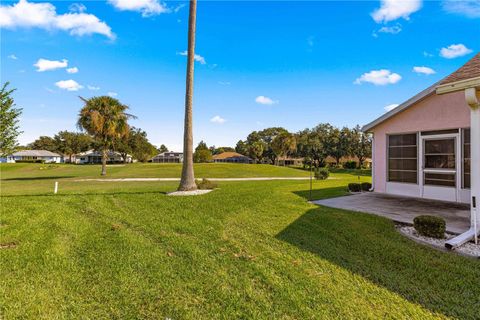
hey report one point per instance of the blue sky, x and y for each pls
(260, 64)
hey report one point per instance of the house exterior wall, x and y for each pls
(435, 112)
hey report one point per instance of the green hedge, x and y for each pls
(30, 161)
(430, 226)
(322, 173)
(205, 184)
(354, 187)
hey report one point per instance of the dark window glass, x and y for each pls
(402, 158)
(466, 159)
(440, 179)
(440, 154)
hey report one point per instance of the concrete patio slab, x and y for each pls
(403, 209)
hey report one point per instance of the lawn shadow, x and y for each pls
(38, 178)
(322, 193)
(370, 246)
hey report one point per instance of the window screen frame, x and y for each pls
(417, 141)
(463, 132)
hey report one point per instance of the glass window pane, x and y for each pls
(402, 158)
(440, 162)
(437, 179)
(403, 152)
(443, 146)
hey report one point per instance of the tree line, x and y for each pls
(314, 145)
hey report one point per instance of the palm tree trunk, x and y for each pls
(104, 161)
(187, 181)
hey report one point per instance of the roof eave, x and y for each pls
(418, 97)
(459, 85)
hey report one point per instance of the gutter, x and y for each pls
(373, 164)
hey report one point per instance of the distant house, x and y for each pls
(92, 156)
(289, 161)
(331, 162)
(231, 157)
(168, 157)
(33, 156)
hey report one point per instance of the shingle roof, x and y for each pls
(469, 70)
(35, 153)
(226, 155)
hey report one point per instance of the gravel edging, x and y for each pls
(189, 193)
(468, 249)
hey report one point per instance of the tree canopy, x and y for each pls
(9, 119)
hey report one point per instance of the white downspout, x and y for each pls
(473, 99)
(373, 163)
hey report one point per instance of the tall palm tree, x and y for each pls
(187, 181)
(105, 119)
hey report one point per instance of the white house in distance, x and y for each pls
(168, 157)
(429, 146)
(32, 156)
(95, 157)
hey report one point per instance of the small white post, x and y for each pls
(56, 187)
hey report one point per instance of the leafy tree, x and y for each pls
(187, 181)
(163, 148)
(314, 143)
(202, 153)
(242, 147)
(135, 143)
(106, 120)
(283, 144)
(44, 143)
(338, 143)
(361, 145)
(255, 151)
(202, 145)
(70, 143)
(9, 118)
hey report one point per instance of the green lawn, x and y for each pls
(250, 250)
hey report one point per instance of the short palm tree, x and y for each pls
(187, 181)
(105, 119)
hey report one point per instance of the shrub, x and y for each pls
(30, 161)
(205, 184)
(355, 187)
(322, 173)
(430, 226)
(350, 165)
(366, 186)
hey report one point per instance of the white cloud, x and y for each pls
(24, 14)
(196, 57)
(77, 7)
(224, 83)
(112, 94)
(468, 8)
(424, 70)
(218, 119)
(47, 65)
(427, 54)
(93, 88)
(179, 7)
(265, 100)
(69, 85)
(13, 57)
(72, 70)
(391, 10)
(390, 107)
(379, 77)
(146, 7)
(393, 29)
(454, 51)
